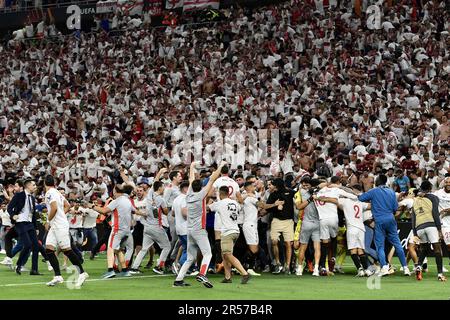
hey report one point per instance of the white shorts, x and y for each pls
(355, 238)
(428, 235)
(120, 239)
(329, 228)
(251, 234)
(217, 222)
(446, 235)
(58, 238)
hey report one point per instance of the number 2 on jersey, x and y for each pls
(357, 211)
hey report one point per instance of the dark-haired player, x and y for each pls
(58, 234)
(121, 208)
(196, 226)
(153, 229)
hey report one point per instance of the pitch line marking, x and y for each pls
(87, 280)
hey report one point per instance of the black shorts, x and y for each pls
(138, 234)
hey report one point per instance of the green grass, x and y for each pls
(267, 287)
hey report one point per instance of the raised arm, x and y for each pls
(192, 172)
(213, 178)
(126, 179)
(160, 173)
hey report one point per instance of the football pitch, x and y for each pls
(149, 286)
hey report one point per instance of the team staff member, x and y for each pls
(384, 204)
(282, 223)
(22, 209)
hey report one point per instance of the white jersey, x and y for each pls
(353, 211)
(6, 220)
(141, 205)
(444, 199)
(445, 222)
(75, 220)
(232, 185)
(170, 194)
(444, 203)
(228, 211)
(59, 221)
(250, 210)
(328, 210)
(180, 221)
(367, 215)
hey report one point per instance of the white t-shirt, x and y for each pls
(59, 221)
(444, 203)
(75, 220)
(228, 211)
(180, 221)
(140, 205)
(409, 203)
(6, 220)
(232, 185)
(444, 199)
(353, 211)
(250, 211)
(90, 218)
(328, 210)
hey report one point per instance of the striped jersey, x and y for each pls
(196, 206)
(122, 209)
(155, 214)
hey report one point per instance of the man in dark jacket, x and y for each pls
(22, 210)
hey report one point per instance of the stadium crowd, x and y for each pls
(350, 104)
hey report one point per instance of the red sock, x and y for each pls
(203, 269)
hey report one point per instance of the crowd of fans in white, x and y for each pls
(362, 100)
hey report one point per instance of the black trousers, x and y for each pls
(12, 234)
(103, 240)
(263, 249)
(28, 236)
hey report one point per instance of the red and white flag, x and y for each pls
(200, 4)
(173, 4)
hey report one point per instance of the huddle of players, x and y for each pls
(430, 213)
(317, 203)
